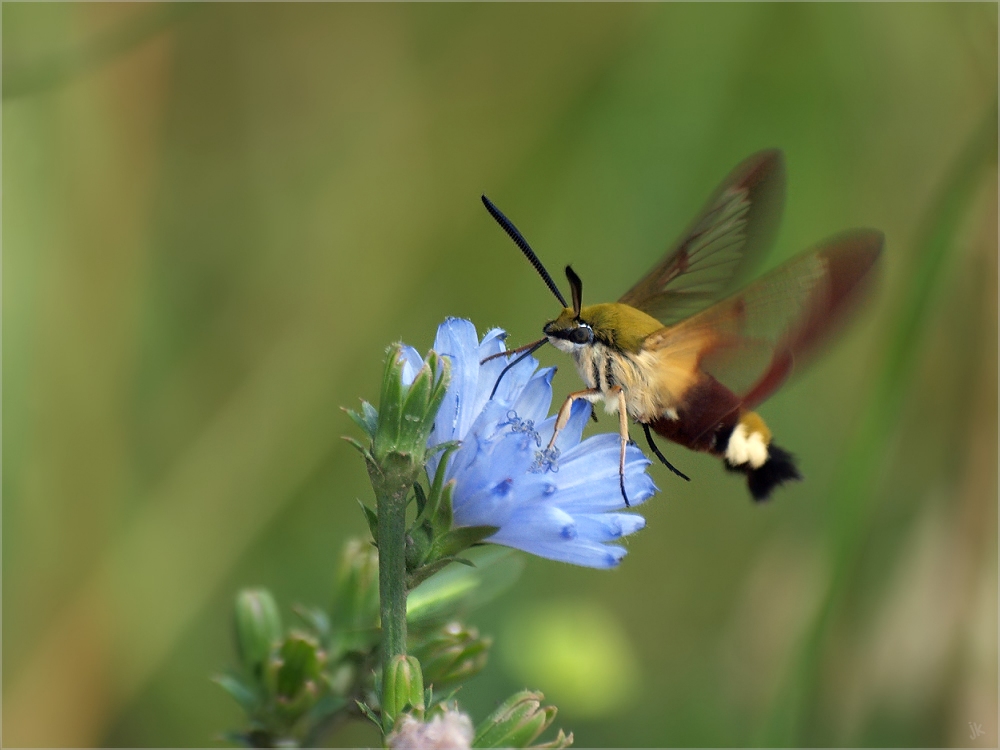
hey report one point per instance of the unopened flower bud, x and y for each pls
(403, 685)
(453, 654)
(355, 599)
(300, 664)
(407, 409)
(516, 723)
(258, 628)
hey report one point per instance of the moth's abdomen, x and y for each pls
(749, 450)
(711, 419)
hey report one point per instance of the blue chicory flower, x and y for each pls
(555, 505)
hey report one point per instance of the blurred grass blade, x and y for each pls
(850, 498)
(496, 569)
(35, 77)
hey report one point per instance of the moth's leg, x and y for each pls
(623, 432)
(593, 395)
(652, 447)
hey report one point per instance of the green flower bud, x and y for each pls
(403, 685)
(518, 721)
(354, 614)
(406, 412)
(301, 660)
(452, 654)
(258, 628)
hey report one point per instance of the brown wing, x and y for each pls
(752, 341)
(737, 223)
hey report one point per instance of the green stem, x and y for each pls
(392, 482)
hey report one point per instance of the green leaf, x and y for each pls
(460, 539)
(443, 516)
(243, 694)
(370, 414)
(371, 715)
(437, 486)
(424, 572)
(362, 449)
(366, 419)
(418, 546)
(316, 619)
(372, 519)
(448, 445)
(418, 493)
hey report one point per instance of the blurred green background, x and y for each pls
(216, 217)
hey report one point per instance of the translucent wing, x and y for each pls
(738, 222)
(752, 341)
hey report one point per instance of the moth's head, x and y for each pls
(570, 330)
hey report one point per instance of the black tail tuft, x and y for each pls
(778, 469)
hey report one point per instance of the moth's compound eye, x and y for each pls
(581, 335)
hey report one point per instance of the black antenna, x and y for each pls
(522, 243)
(576, 288)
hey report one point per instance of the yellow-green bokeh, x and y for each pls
(577, 650)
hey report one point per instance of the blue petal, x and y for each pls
(569, 436)
(578, 492)
(578, 552)
(604, 448)
(456, 339)
(492, 343)
(606, 527)
(510, 386)
(536, 398)
(555, 535)
(477, 500)
(412, 362)
(588, 481)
